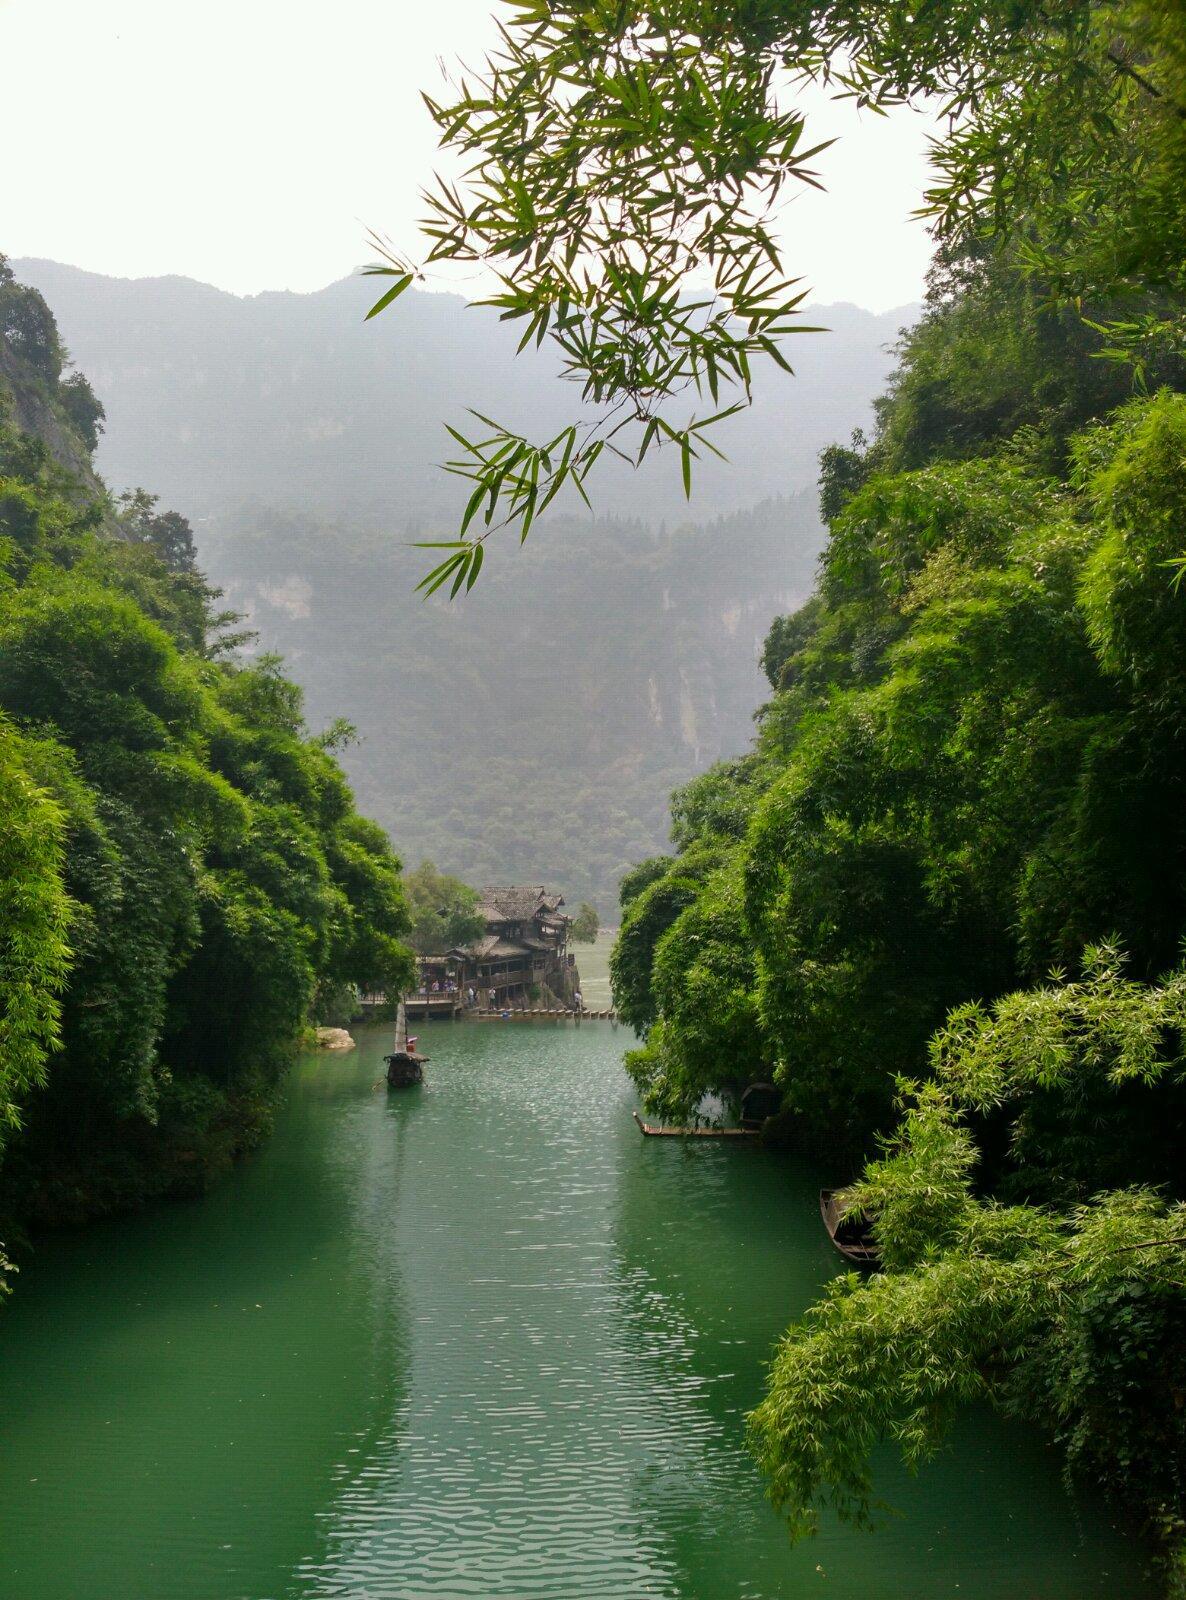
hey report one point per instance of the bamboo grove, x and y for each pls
(942, 903)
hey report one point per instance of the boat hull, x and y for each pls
(649, 1131)
(404, 1070)
(852, 1238)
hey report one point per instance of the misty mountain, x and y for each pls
(535, 729)
(293, 399)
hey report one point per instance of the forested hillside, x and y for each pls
(942, 901)
(540, 734)
(184, 879)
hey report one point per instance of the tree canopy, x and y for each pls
(184, 880)
(622, 163)
(941, 904)
(444, 911)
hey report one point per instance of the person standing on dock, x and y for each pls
(578, 1001)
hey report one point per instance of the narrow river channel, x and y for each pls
(478, 1340)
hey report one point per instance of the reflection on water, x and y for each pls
(593, 966)
(477, 1339)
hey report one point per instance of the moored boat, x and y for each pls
(650, 1131)
(404, 1066)
(852, 1235)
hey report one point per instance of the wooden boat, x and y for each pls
(404, 1066)
(852, 1236)
(649, 1131)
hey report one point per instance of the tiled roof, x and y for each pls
(504, 950)
(515, 903)
(490, 947)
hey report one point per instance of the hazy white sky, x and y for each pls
(251, 143)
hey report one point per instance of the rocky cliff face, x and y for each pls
(31, 400)
(535, 730)
(42, 402)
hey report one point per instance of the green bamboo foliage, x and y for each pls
(184, 880)
(623, 164)
(35, 914)
(942, 903)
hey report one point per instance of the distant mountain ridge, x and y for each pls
(533, 731)
(293, 398)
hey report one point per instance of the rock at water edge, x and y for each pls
(334, 1039)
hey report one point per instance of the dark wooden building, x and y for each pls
(522, 958)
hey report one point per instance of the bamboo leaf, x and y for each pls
(393, 293)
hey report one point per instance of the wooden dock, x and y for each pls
(514, 1013)
(434, 1007)
(449, 1007)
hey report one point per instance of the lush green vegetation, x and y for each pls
(444, 911)
(1067, 1312)
(943, 900)
(616, 153)
(942, 903)
(585, 924)
(184, 880)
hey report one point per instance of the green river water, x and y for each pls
(477, 1339)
